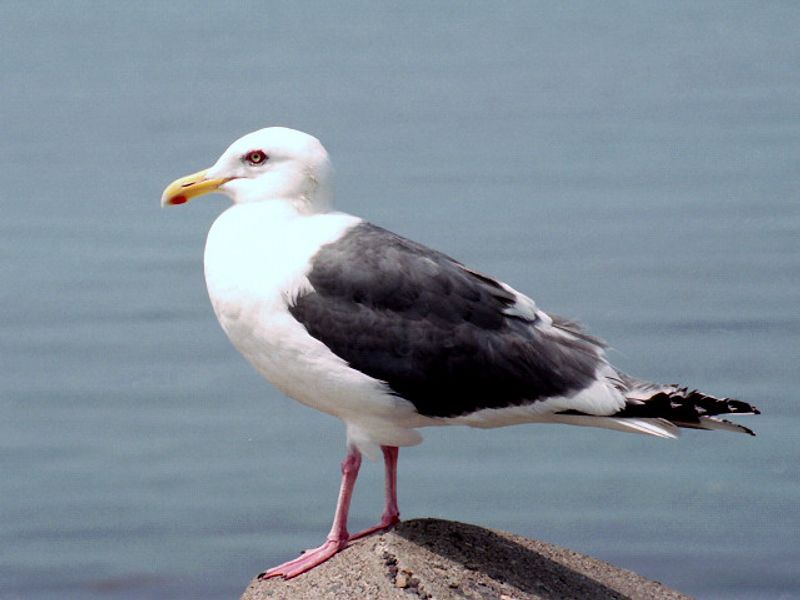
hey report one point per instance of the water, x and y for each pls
(634, 166)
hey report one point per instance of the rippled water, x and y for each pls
(633, 166)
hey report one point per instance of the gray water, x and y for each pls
(633, 165)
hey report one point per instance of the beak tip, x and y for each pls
(173, 200)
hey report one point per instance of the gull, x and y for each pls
(391, 336)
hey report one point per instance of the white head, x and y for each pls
(272, 164)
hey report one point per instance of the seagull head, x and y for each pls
(272, 164)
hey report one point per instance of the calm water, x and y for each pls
(636, 167)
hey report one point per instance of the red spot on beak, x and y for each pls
(178, 200)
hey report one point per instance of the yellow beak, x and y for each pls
(184, 189)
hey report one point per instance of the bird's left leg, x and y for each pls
(391, 513)
(338, 537)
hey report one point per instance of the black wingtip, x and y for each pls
(735, 406)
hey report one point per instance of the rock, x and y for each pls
(444, 560)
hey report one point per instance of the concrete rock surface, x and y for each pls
(444, 560)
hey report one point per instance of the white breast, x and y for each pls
(261, 252)
(257, 259)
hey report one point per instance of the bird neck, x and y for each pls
(306, 194)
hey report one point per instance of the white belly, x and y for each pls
(256, 261)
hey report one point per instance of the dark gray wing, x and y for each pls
(441, 336)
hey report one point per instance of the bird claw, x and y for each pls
(306, 561)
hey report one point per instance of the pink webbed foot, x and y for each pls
(306, 561)
(386, 523)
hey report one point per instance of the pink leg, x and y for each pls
(391, 513)
(337, 538)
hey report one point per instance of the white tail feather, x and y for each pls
(656, 427)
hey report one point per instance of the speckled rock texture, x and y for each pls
(443, 560)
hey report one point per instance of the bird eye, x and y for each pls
(256, 157)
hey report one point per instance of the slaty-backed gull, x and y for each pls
(390, 336)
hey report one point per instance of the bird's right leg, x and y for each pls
(337, 538)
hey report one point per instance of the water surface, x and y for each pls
(633, 166)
